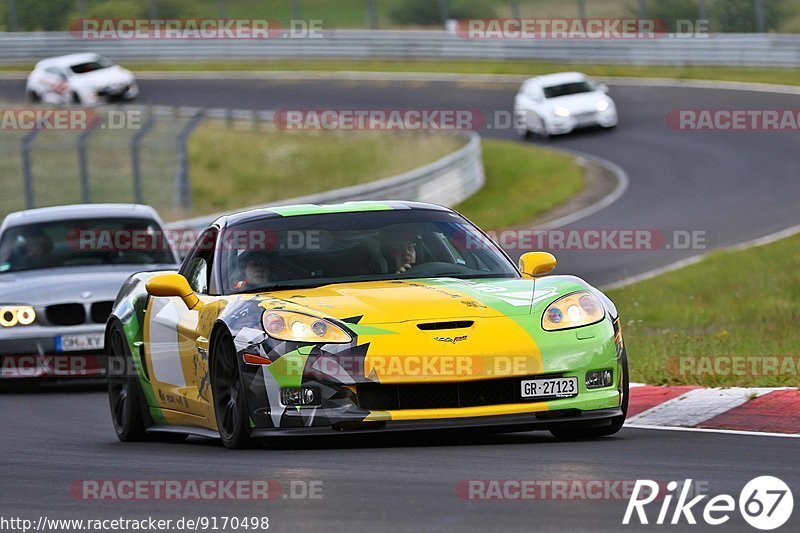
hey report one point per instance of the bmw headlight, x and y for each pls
(561, 111)
(602, 105)
(297, 327)
(14, 315)
(572, 311)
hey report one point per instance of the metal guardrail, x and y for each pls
(746, 49)
(448, 181)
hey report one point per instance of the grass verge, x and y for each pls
(522, 182)
(741, 303)
(522, 68)
(231, 169)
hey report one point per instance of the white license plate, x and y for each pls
(549, 387)
(74, 343)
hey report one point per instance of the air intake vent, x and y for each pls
(66, 314)
(101, 311)
(455, 324)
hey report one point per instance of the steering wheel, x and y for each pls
(435, 268)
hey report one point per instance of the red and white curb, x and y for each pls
(762, 411)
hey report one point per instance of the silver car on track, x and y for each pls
(60, 271)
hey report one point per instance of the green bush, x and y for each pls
(429, 12)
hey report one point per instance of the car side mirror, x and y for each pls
(536, 264)
(172, 285)
(603, 87)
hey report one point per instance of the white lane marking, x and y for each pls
(634, 384)
(697, 406)
(753, 243)
(164, 342)
(622, 186)
(708, 430)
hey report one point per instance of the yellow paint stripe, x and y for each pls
(457, 412)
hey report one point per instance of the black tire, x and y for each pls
(76, 99)
(125, 396)
(34, 97)
(603, 431)
(228, 395)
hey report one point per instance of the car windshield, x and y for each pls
(315, 250)
(99, 63)
(565, 89)
(69, 243)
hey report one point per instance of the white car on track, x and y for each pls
(83, 79)
(559, 103)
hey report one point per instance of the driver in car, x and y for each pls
(35, 250)
(255, 270)
(401, 250)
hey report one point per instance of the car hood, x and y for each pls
(65, 285)
(419, 300)
(579, 103)
(99, 79)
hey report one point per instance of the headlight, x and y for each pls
(572, 311)
(297, 327)
(12, 315)
(602, 105)
(561, 111)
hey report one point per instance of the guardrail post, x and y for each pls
(182, 195)
(515, 9)
(27, 175)
(761, 25)
(581, 9)
(444, 11)
(83, 165)
(136, 141)
(12, 15)
(372, 15)
(222, 6)
(702, 13)
(152, 9)
(642, 9)
(295, 9)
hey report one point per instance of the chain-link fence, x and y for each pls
(735, 16)
(56, 156)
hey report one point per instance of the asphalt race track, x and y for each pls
(733, 186)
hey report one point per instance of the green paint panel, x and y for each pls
(369, 330)
(288, 369)
(313, 209)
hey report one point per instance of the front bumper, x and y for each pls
(562, 125)
(545, 420)
(35, 352)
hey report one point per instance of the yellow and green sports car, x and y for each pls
(361, 317)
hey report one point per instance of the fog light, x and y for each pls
(299, 397)
(599, 379)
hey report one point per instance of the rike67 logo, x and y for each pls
(765, 503)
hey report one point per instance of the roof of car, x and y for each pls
(320, 209)
(68, 60)
(558, 78)
(79, 211)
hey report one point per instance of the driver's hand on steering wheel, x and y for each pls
(403, 268)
